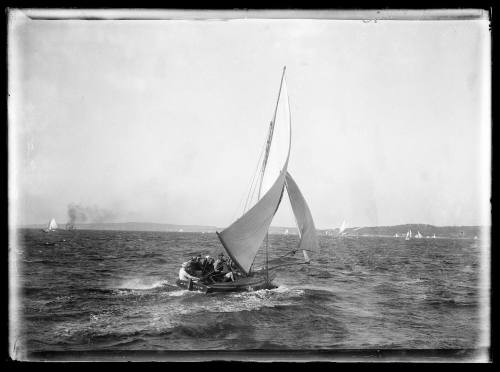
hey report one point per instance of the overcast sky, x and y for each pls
(163, 121)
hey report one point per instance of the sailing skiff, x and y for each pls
(52, 226)
(243, 239)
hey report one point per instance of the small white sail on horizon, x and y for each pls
(408, 235)
(434, 236)
(342, 227)
(418, 236)
(51, 226)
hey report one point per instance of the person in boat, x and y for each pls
(220, 268)
(219, 263)
(201, 262)
(195, 265)
(226, 270)
(184, 274)
(229, 277)
(208, 273)
(208, 265)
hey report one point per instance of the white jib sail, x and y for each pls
(303, 217)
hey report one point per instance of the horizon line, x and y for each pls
(219, 227)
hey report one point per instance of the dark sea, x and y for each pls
(115, 290)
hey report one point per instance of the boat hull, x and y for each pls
(247, 284)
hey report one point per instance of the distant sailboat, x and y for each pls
(52, 226)
(408, 235)
(418, 236)
(396, 235)
(243, 239)
(434, 236)
(286, 232)
(342, 229)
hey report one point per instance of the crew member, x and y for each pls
(219, 263)
(184, 275)
(208, 265)
(229, 277)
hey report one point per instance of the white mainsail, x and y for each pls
(408, 235)
(244, 237)
(418, 236)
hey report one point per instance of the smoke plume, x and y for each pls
(92, 214)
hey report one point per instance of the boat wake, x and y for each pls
(142, 284)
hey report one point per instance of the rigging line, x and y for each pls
(250, 192)
(251, 185)
(254, 185)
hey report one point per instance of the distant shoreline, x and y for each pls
(466, 232)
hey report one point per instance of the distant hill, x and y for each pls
(440, 231)
(149, 226)
(136, 226)
(425, 230)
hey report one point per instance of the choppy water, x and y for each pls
(96, 290)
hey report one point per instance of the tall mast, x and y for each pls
(264, 163)
(270, 135)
